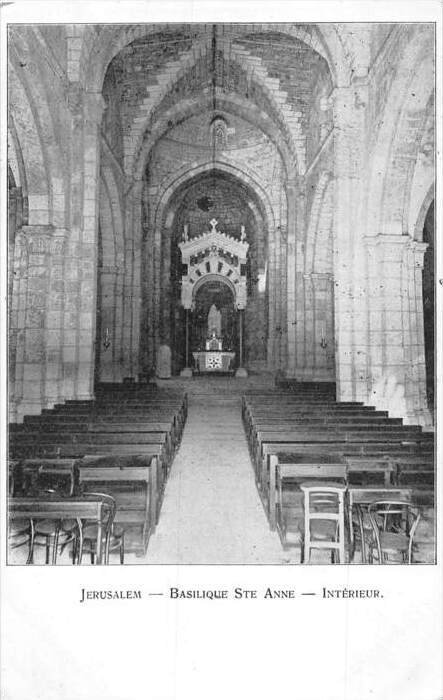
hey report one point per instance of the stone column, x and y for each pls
(271, 288)
(17, 333)
(298, 320)
(110, 338)
(416, 395)
(291, 280)
(241, 371)
(349, 259)
(37, 352)
(319, 328)
(397, 367)
(93, 106)
(82, 250)
(56, 352)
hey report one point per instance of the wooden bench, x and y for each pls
(139, 510)
(79, 451)
(357, 457)
(334, 437)
(33, 469)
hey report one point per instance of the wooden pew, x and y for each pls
(130, 512)
(316, 465)
(33, 470)
(381, 456)
(79, 451)
(334, 437)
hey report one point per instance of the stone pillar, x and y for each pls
(298, 320)
(241, 371)
(397, 366)
(416, 396)
(57, 354)
(271, 289)
(319, 328)
(291, 281)
(349, 258)
(37, 351)
(87, 114)
(111, 335)
(186, 371)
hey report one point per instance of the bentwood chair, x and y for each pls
(20, 531)
(394, 524)
(324, 519)
(50, 478)
(112, 536)
(54, 535)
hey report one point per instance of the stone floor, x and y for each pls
(211, 512)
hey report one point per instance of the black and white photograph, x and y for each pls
(221, 293)
(220, 315)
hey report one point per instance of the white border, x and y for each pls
(57, 649)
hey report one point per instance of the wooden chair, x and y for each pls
(324, 518)
(393, 526)
(55, 509)
(358, 502)
(301, 468)
(50, 479)
(95, 537)
(21, 533)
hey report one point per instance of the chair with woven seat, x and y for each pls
(324, 519)
(394, 524)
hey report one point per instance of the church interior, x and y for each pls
(221, 293)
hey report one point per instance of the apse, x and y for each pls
(214, 196)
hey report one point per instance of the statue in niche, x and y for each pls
(214, 329)
(185, 235)
(242, 234)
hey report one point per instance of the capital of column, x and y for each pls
(389, 245)
(418, 249)
(42, 239)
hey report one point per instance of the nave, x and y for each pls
(186, 494)
(211, 512)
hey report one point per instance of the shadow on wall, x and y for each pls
(389, 395)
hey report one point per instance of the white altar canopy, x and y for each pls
(214, 256)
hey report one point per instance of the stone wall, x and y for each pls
(321, 138)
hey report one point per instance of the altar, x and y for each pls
(214, 361)
(214, 294)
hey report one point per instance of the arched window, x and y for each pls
(219, 133)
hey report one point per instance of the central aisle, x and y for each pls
(211, 512)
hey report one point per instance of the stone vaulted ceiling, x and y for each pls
(267, 76)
